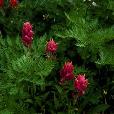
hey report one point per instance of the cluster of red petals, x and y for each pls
(1, 3)
(81, 84)
(51, 46)
(66, 72)
(27, 34)
(13, 3)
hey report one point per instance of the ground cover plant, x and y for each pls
(56, 57)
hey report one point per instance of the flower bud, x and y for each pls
(66, 72)
(13, 3)
(81, 84)
(27, 34)
(51, 46)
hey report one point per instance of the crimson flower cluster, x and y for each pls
(51, 46)
(27, 34)
(66, 72)
(13, 3)
(80, 83)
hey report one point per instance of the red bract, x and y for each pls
(27, 34)
(81, 84)
(51, 46)
(13, 3)
(1, 3)
(66, 72)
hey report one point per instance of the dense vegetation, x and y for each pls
(30, 76)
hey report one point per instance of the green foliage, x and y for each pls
(29, 78)
(99, 108)
(22, 66)
(90, 38)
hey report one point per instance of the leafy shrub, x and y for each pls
(30, 77)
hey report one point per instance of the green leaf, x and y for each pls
(13, 91)
(60, 90)
(5, 112)
(99, 108)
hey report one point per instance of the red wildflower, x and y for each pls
(51, 46)
(1, 3)
(13, 3)
(81, 84)
(27, 34)
(66, 72)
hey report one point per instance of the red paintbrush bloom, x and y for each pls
(66, 72)
(81, 84)
(51, 46)
(13, 3)
(27, 34)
